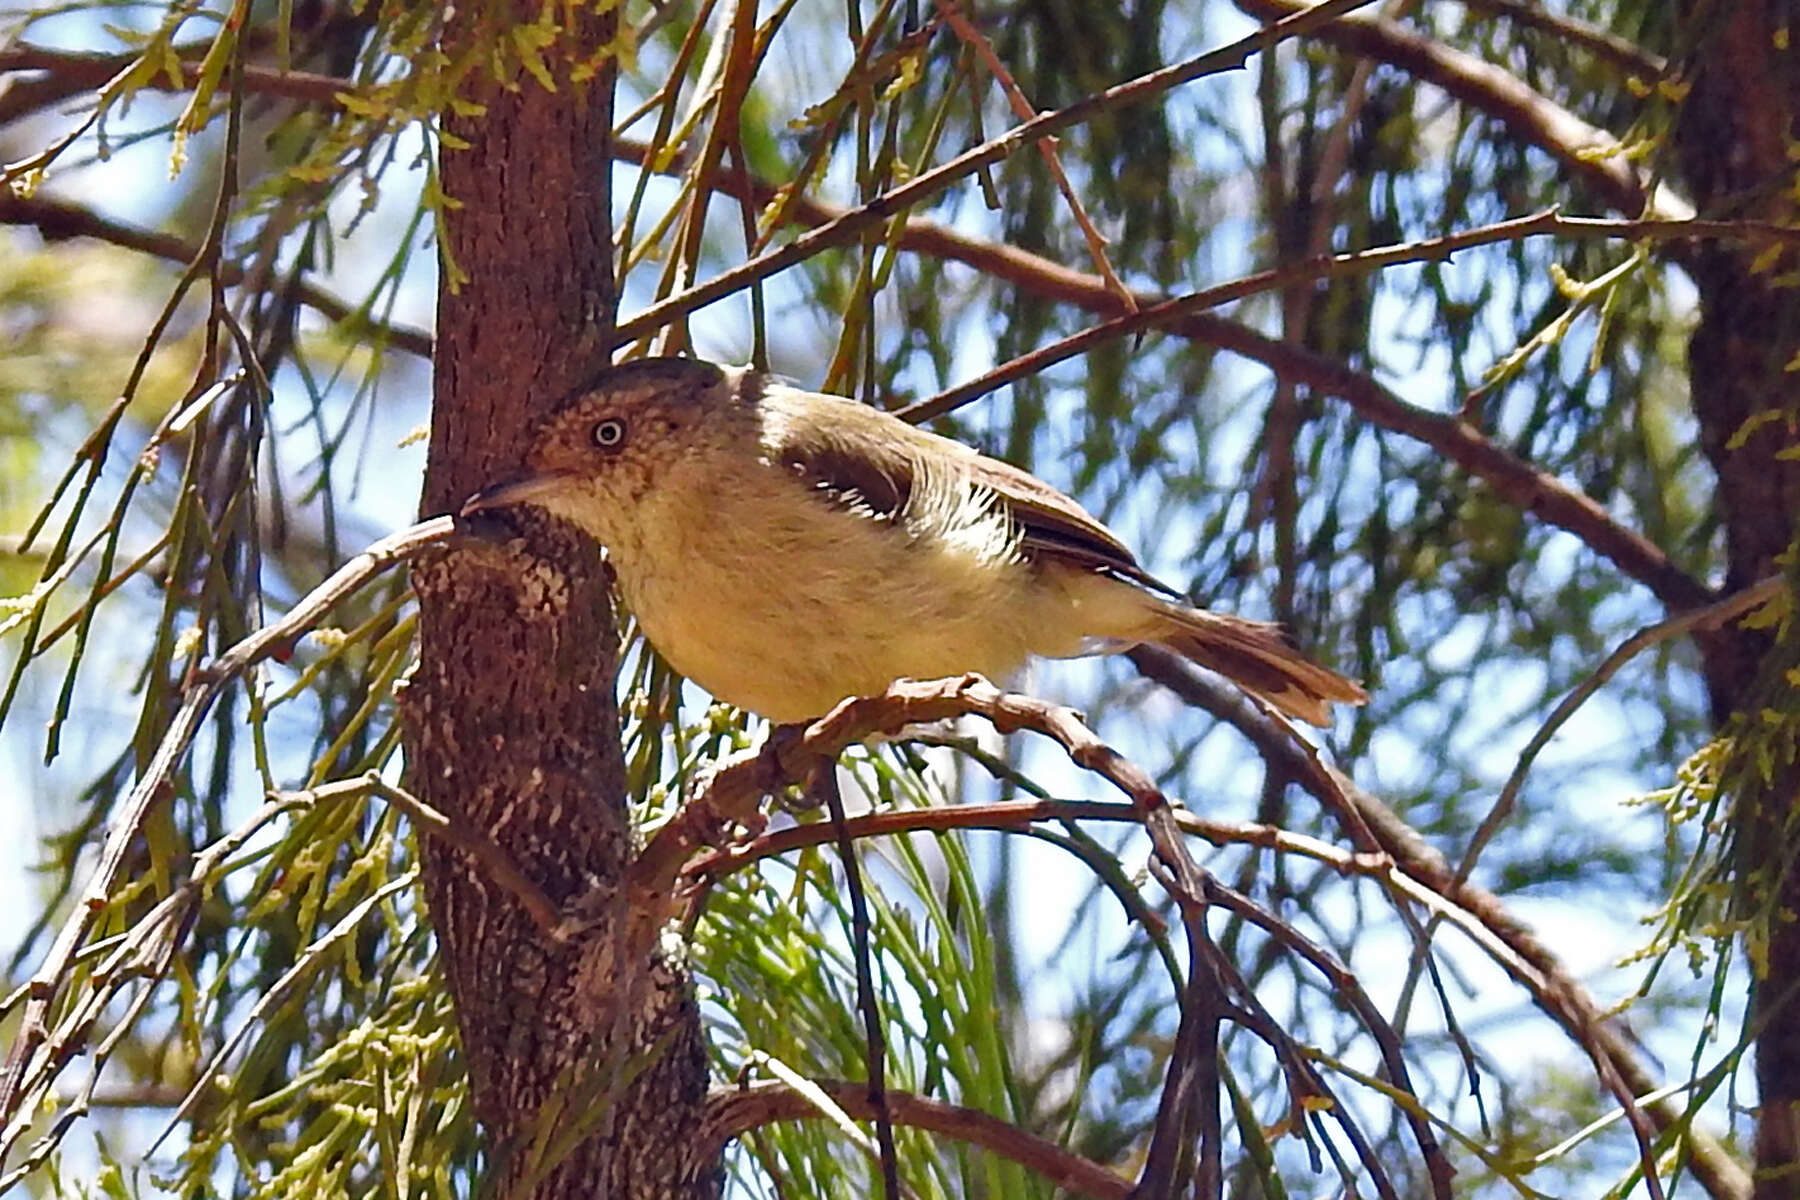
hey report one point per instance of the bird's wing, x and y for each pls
(864, 457)
(1054, 526)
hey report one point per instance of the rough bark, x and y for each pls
(1737, 129)
(587, 1073)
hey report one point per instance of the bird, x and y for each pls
(787, 549)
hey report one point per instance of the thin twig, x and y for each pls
(741, 60)
(1548, 223)
(277, 994)
(965, 29)
(1021, 815)
(1710, 617)
(61, 74)
(77, 70)
(497, 862)
(1305, 1083)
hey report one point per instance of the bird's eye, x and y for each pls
(609, 433)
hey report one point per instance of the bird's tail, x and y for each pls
(1258, 657)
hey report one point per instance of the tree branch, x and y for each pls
(730, 796)
(1601, 43)
(1169, 312)
(1512, 478)
(896, 201)
(1020, 816)
(732, 1112)
(1591, 155)
(67, 72)
(59, 219)
(498, 864)
(1713, 616)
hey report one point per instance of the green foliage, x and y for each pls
(787, 997)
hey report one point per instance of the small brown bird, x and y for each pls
(785, 549)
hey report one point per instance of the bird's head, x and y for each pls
(593, 458)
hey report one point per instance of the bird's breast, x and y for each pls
(783, 602)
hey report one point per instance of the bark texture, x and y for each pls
(587, 1072)
(1735, 140)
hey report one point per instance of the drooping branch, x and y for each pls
(1513, 479)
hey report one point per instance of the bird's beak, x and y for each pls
(529, 488)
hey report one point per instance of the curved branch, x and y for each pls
(59, 219)
(735, 1111)
(1713, 616)
(1603, 44)
(796, 752)
(1590, 154)
(1020, 815)
(1512, 478)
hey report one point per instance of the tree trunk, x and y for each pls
(1735, 141)
(587, 1073)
